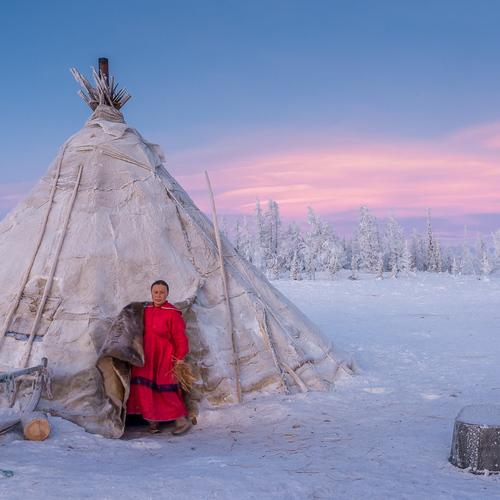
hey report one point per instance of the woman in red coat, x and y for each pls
(154, 391)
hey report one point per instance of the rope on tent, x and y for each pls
(226, 292)
(48, 284)
(15, 304)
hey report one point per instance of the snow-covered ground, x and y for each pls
(425, 347)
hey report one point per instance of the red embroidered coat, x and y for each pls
(154, 392)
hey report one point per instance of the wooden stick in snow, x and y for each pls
(226, 291)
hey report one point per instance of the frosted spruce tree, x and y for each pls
(482, 252)
(354, 267)
(319, 242)
(496, 248)
(448, 258)
(259, 260)
(367, 240)
(486, 267)
(380, 267)
(292, 247)
(418, 251)
(348, 252)
(246, 249)
(295, 269)
(272, 241)
(237, 236)
(434, 259)
(406, 261)
(466, 257)
(394, 243)
(223, 229)
(336, 259)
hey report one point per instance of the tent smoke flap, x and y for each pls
(107, 220)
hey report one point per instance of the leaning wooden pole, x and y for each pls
(14, 305)
(226, 291)
(48, 284)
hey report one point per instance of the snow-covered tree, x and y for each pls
(237, 235)
(406, 261)
(258, 222)
(434, 259)
(273, 232)
(447, 259)
(246, 242)
(319, 240)
(466, 257)
(295, 269)
(380, 267)
(354, 267)
(336, 259)
(496, 251)
(292, 247)
(310, 263)
(347, 246)
(481, 251)
(367, 239)
(486, 268)
(394, 242)
(223, 229)
(418, 251)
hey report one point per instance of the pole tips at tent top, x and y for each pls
(105, 91)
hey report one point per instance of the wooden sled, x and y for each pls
(35, 424)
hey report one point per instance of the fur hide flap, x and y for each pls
(121, 349)
(124, 336)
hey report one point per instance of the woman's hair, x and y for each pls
(160, 282)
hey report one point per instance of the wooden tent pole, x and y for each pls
(226, 291)
(37, 246)
(52, 272)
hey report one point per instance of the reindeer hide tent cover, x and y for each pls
(110, 220)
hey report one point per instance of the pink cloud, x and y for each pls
(457, 175)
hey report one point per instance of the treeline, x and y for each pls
(289, 251)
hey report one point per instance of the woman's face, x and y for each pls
(159, 295)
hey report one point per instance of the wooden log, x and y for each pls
(35, 425)
(476, 439)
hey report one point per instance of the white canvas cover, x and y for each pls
(130, 224)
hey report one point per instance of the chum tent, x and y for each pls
(107, 220)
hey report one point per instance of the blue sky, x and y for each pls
(347, 90)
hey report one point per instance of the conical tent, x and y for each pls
(107, 220)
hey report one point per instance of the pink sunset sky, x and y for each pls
(458, 176)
